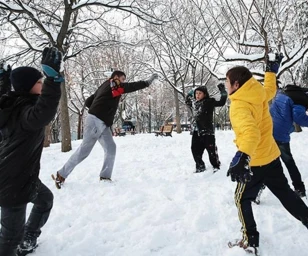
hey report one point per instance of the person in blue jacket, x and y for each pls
(289, 107)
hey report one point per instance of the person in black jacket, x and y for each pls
(24, 113)
(102, 105)
(203, 131)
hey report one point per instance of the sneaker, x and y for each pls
(105, 179)
(59, 180)
(254, 250)
(28, 245)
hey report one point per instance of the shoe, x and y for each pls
(300, 193)
(105, 179)
(200, 169)
(59, 180)
(28, 245)
(254, 250)
(216, 169)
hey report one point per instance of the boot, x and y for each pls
(28, 245)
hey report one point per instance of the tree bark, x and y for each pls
(65, 122)
(47, 138)
(177, 112)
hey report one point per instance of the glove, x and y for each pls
(51, 64)
(151, 79)
(188, 100)
(5, 81)
(273, 65)
(239, 169)
(221, 87)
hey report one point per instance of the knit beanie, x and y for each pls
(24, 78)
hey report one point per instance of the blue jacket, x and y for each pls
(284, 113)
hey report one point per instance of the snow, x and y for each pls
(157, 205)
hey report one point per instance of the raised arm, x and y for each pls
(45, 108)
(272, 67)
(135, 86)
(223, 96)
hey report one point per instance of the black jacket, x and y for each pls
(23, 118)
(203, 111)
(104, 106)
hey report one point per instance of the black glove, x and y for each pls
(188, 100)
(239, 169)
(51, 64)
(5, 81)
(273, 65)
(221, 87)
(151, 79)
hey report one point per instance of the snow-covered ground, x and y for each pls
(158, 206)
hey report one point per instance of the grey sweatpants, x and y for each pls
(94, 130)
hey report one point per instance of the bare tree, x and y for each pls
(248, 30)
(175, 46)
(70, 26)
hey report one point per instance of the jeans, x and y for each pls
(13, 227)
(289, 162)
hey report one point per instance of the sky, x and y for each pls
(157, 205)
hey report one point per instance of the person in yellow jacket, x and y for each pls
(257, 159)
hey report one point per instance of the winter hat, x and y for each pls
(202, 89)
(24, 78)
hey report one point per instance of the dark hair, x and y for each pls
(240, 74)
(117, 73)
(202, 89)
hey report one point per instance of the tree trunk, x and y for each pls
(79, 125)
(137, 117)
(47, 136)
(65, 122)
(177, 112)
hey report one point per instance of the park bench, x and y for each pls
(165, 130)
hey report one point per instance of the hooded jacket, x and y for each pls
(288, 106)
(203, 110)
(23, 118)
(252, 122)
(104, 102)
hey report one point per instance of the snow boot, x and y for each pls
(28, 245)
(59, 180)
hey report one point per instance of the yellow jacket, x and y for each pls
(252, 122)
